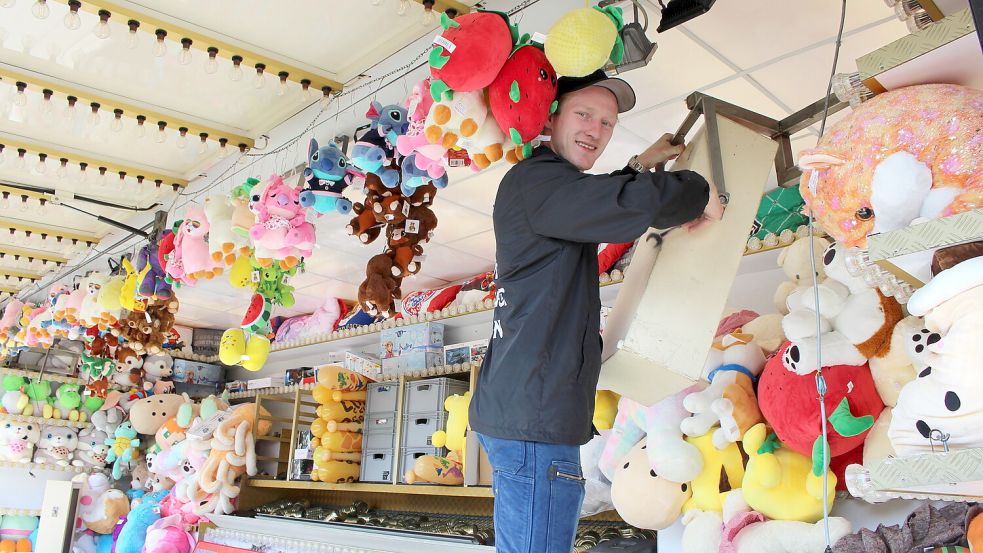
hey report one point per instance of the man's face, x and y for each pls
(582, 126)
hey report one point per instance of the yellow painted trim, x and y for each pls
(7, 250)
(17, 225)
(11, 145)
(19, 274)
(16, 192)
(122, 13)
(9, 289)
(86, 96)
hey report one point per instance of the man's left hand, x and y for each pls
(713, 212)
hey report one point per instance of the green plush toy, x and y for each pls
(41, 401)
(94, 368)
(69, 400)
(14, 401)
(272, 283)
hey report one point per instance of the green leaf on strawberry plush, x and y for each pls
(526, 150)
(437, 59)
(447, 22)
(438, 90)
(553, 106)
(514, 93)
(618, 51)
(514, 135)
(820, 459)
(846, 424)
(770, 444)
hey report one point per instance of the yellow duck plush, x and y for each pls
(779, 483)
(723, 470)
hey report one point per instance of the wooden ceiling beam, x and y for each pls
(87, 96)
(9, 290)
(11, 273)
(202, 40)
(9, 225)
(36, 254)
(11, 144)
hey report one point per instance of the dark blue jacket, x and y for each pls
(538, 378)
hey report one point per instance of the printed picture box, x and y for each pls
(196, 372)
(363, 364)
(400, 340)
(466, 353)
(301, 375)
(414, 361)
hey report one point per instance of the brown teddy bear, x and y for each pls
(364, 224)
(377, 293)
(423, 195)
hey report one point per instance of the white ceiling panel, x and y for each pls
(455, 222)
(451, 264)
(422, 282)
(476, 191)
(742, 93)
(480, 245)
(656, 122)
(750, 33)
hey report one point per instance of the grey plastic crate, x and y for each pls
(381, 397)
(408, 457)
(379, 440)
(419, 428)
(427, 396)
(380, 423)
(377, 466)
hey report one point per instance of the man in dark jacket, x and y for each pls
(534, 400)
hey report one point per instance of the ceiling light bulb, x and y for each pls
(404, 5)
(236, 73)
(223, 147)
(7, 3)
(141, 130)
(260, 79)
(306, 94)
(282, 89)
(40, 9)
(102, 29)
(20, 98)
(5, 201)
(211, 64)
(41, 167)
(160, 47)
(20, 164)
(24, 206)
(132, 39)
(3, 154)
(203, 144)
(101, 179)
(376, 2)
(182, 139)
(94, 118)
(161, 136)
(62, 172)
(117, 124)
(72, 20)
(83, 174)
(184, 58)
(429, 17)
(68, 116)
(43, 208)
(47, 107)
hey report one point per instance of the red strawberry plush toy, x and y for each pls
(469, 52)
(523, 95)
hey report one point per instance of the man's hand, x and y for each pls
(713, 212)
(660, 151)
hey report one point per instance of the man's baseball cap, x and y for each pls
(622, 91)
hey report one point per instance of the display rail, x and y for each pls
(53, 377)
(11, 511)
(43, 466)
(43, 421)
(415, 489)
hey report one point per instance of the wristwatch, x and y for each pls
(636, 165)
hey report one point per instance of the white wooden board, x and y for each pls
(660, 330)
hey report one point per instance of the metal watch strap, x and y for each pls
(636, 165)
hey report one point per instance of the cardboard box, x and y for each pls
(196, 372)
(235, 386)
(413, 361)
(466, 353)
(401, 340)
(302, 375)
(257, 383)
(363, 364)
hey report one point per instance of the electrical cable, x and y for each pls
(820, 380)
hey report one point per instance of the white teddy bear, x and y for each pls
(794, 261)
(855, 320)
(17, 441)
(57, 446)
(92, 449)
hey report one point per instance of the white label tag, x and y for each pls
(455, 162)
(460, 106)
(413, 226)
(439, 40)
(203, 429)
(539, 37)
(406, 209)
(285, 279)
(414, 103)
(420, 258)
(813, 181)
(255, 276)
(303, 453)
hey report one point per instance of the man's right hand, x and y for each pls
(661, 151)
(713, 212)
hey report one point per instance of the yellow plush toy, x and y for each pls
(111, 308)
(583, 40)
(605, 409)
(128, 293)
(448, 470)
(241, 272)
(779, 483)
(723, 470)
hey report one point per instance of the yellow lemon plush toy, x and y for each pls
(583, 41)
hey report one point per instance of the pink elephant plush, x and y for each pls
(281, 232)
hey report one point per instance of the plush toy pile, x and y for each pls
(740, 458)
(337, 430)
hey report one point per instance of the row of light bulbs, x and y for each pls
(429, 16)
(912, 13)
(103, 176)
(102, 30)
(46, 241)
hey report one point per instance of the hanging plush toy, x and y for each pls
(128, 293)
(191, 248)
(154, 283)
(523, 95)
(470, 51)
(242, 217)
(123, 448)
(109, 301)
(90, 311)
(388, 121)
(372, 153)
(281, 232)
(584, 40)
(224, 244)
(902, 156)
(248, 345)
(326, 177)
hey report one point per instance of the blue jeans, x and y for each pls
(539, 490)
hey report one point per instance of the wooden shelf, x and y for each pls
(13, 511)
(43, 466)
(447, 491)
(43, 421)
(53, 377)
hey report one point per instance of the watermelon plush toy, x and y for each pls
(523, 95)
(469, 52)
(249, 345)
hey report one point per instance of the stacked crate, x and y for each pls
(379, 432)
(424, 414)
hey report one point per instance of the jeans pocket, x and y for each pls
(505, 456)
(567, 489)
(513, 512)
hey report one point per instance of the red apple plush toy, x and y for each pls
(523, 95)
(790, 404)
(469, 52)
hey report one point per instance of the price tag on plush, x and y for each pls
(661, 328)
(203, 429)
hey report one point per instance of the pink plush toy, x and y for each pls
(903, 155)
(325, 319)
(167, 535)
(191, 247)
(281, 232)
(429, 156)
(11, 315)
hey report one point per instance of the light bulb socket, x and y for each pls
(95, 107)
(71, 101)
(161, 35)
(260, 67)
(222, 142)
(104, 15)
(21, 87)
(102, 171)
(186, 43)
(63, 161)
(122, 175)
(326, 90)
(133, 24)
(236, 60)
(212, 52)
(428, 5)
(161, 125)
(203, 136)
(283, 76)
(451, 13)
(82, 166)
(183, 131)
(47, 94)
(175, 187)
(21, 152)
(42, 157)
(74, 5)
(5, 196)
(158, 182)
(305, 84)
(141, 119)
(118, 113)
(243, 148)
